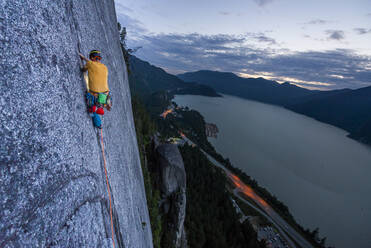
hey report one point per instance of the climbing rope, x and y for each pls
(109, 192)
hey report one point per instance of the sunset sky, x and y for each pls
(314, 44)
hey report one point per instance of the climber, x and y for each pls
(98, 95)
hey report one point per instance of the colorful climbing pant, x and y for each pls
(90, 99)
(93, 106)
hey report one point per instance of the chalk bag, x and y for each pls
(102, 98)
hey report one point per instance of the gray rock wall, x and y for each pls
(52, 183)
(173, 189)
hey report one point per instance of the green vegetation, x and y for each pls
(144, 125)
(211, 219)
(146, 80)
(157, 102)
(145, 128)
(191, 123)
(125, 51)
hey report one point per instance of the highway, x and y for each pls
(264, 209)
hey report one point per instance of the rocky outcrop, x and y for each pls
(211, 130)
(173, 189)
(52, 182)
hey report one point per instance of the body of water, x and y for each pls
(320, 174)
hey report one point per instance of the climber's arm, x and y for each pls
(83, 57)
(85, 68)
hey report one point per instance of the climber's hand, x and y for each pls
(82, 57)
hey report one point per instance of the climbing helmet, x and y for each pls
(95, 55)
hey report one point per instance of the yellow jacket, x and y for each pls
(98, 76)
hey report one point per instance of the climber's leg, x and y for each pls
(91, 102)
(96, 120)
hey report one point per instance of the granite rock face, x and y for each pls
(52, 182)
(173, 189)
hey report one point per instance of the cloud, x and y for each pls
(369, 14)
(224, 13)
(335, 34)
(262, 2)
(260, 37)
(316, 22)
(362, 30)
(122, 7)
(134, 27)
(338, 68)
(332, 69)
(244, 54)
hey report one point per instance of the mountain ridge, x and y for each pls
(258, 89)
(151, 79)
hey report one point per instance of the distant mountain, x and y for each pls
(317, 95)
(258, 89)
(363, 134)
(146, 79)
(347, 109)
(344, 108)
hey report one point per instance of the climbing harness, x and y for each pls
(109, 192)
(102, 99)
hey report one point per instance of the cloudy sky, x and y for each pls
(317, 44)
